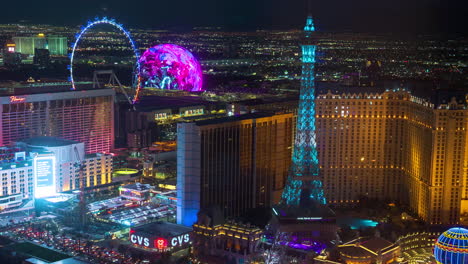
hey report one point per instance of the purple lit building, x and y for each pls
(37, 109)
(307, 229)
(171, 67)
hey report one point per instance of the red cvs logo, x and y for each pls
(160, 243)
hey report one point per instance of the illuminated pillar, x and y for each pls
(188, 173)
(304, 186)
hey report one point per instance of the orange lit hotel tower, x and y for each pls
(389, 145)
(394, 146)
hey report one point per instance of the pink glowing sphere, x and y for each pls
(170, 67)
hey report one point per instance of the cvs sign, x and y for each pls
(139, 240)
(180, 240)
(160, 243)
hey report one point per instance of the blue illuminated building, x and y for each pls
(304, 186)
(188, 174)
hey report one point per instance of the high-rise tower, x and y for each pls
(250, 151)
(304, 186)
(302, 214)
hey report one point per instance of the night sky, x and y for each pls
(396, 16)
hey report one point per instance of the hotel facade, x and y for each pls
(43, 167)
(397, 147)
(236, 163)
(85, 116)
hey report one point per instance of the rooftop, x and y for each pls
(376, 244)
(24, 88)
(232, 119)
(63, 261)
(12, 158)
(150, 103)
(138, 186)
(436, 93)
(355, 252)
(49, 142)
(163, 229)
(317, 212)
(366, 247)
(95, 155)
(268, 100)
(15, 164)
(38, 252)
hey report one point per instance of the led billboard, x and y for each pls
(44, 176)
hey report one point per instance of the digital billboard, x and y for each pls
(44, 176)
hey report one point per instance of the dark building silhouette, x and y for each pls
(41, 57)
(236, 163)
(370, 73)
(12, 59)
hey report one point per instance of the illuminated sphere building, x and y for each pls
(452, 247)
(170, 67)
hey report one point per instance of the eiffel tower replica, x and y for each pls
(303, 220)
(304, 186)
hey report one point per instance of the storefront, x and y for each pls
(161, 236)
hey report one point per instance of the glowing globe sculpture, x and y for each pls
(170, 67)
(452, 247)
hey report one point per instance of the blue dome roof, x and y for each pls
(452, 247)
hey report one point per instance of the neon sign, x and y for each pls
(139, 240)
(180, 240)
(160, 243)
(309, 218)
(17, 99)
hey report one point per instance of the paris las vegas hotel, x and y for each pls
(390, 144)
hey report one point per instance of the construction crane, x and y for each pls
(82, 203)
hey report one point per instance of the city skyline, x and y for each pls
(397, 17)
(224, 146)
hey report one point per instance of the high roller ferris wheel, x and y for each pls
(164, 66)
(136, 84)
